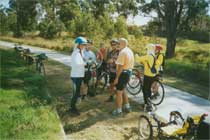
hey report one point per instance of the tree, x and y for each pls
(135, 30)
(3, 21)
(175, 16)
(68, 10)
(121, 27)
(51, 26)
(25, 15)
(126, 7)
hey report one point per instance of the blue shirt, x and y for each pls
(89, 55)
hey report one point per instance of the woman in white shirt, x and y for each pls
(77, 71)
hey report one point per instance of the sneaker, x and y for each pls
(127, 110)
(148, 108)
(75, 111)
(116, 113)
(110, 99)
(154, 96)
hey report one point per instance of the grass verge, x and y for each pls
(26, 111)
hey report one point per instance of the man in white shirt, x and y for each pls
(125, 63)
(77, 71)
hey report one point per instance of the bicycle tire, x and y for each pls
(132, 90)
(103, 75)
(158, 95)
(135, 73)
(176, 117)
(141, 132)
(43, 69)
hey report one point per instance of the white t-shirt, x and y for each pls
(126, 59)
(77, 64)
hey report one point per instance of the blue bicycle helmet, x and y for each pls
(80, 40)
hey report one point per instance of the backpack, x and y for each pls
(163, 63)
(152, 69)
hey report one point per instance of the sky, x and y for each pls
(137, 20)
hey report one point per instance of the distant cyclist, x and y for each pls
(111, 65)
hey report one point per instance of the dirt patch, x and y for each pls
(96, 121)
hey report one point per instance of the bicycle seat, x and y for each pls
(41, 56)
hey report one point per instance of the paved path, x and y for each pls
(175, 99)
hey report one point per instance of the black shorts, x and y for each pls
(123, 80)
(112, 77)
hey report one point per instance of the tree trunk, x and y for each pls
(171, 27)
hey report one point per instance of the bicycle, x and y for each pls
(39, 63)
(91, 72)
(135, 85)
(102, 76)
(24, 53)
(150, 127)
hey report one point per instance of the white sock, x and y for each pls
(119, 110)
(127, 105)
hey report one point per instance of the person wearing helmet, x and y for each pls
(149, 74)
(159, 67)
(89, 57)
(77, 71)
(159, 58)
(111, 59)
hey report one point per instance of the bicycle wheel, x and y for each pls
(135, 80)
(102, 81)
(134, 91)
(158, 93)
(42, 69)
(145, 128)
(176, 118)
(134, 85)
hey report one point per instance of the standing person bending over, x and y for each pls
(148, 61)
(112, 58)
(125, 63)
(77, 71)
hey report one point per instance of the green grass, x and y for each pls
(26, 110)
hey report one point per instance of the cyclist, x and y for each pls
(159, 58)
(102, 57)
(77, 71)
(159, 67)
(89, 57)
(125, 63)
(111, 59)
(149, 74)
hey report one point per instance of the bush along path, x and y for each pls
(175, 99)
